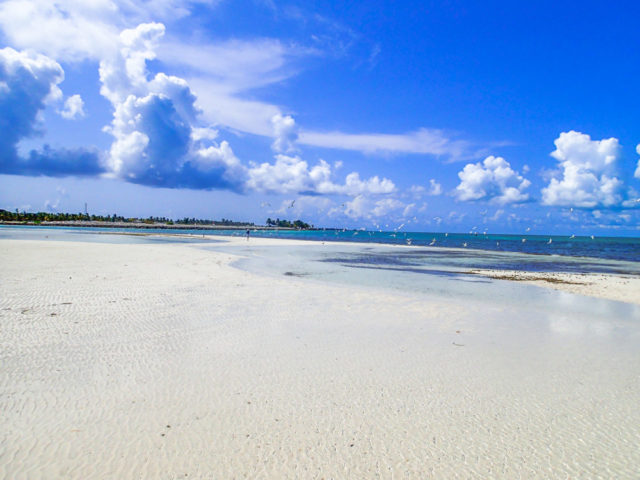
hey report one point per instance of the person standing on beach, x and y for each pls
(248, 232)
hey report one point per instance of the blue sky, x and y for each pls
(443, 116)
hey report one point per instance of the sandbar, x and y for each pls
(168, 361)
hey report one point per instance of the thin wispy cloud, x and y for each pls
(423, 141)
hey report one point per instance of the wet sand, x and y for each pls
(621, 288)
(165, 361)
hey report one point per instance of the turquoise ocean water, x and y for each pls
(578, 254)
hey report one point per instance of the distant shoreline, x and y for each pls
(157, 226)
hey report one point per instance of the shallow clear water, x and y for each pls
(437, 273)
(611, 248)
(402, 271)
(368, 253)
(100, 235)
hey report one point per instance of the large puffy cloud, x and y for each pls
(155, 139)
(155, 117)
(220, 163)
(493, 180)
(291, 174)
(588, 173)
(124, 73)
(355, 186)
(151, 139)
(223, 74)
(27, 81)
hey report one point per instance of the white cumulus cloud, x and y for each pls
(363, 206)
(73, 108)
(67, 30)
(156, 137)
(587, 176)
(374, 185)
(28, 82)
(493, 180)
(417, 191)
(434, 187)
(75, 30)
(224, 74)
(292, 174)
(285, 133)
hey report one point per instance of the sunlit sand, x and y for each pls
(169, 361)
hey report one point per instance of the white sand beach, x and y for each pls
(621, 288)
(166, 361)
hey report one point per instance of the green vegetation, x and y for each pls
(39, 217)
(224, 221)
(298, 224)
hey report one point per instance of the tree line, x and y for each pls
(299, 224)
(39, 217)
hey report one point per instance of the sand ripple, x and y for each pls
(162, 361)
